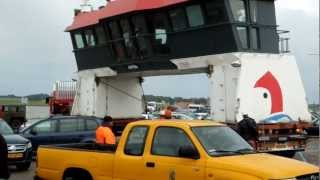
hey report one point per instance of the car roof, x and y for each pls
(191, 123)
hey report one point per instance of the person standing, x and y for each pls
(104, 134)
(248, 129)
(4, 170)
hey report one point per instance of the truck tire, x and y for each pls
(24, 166)
(76, 174)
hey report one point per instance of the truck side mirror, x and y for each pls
(189, 152)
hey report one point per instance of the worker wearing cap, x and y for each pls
(166, 114)
(104, 134)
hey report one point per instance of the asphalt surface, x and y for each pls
(311, 155)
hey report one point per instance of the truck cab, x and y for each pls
(169, 150)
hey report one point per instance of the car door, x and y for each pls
(164, 161)
(42, 133)
(130, 161)
(69, 130)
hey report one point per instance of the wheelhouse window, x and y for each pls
(215, 11)
(101, 35)
(243, 36)
(117, 40)
(253, 11)
(128, 39)
(238, 10)
(140, 32)
(160, 28)
(90, 37)
(78, 38)
(178, 19)
(195, 15)
(254, 38)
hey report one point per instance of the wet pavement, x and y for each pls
(311, 155)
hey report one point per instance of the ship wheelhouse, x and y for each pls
(139, 35)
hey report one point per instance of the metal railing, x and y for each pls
(283, 41)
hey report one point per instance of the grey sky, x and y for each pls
(35, 51)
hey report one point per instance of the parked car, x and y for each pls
(19, 148)
(184, 116)
(61, 130)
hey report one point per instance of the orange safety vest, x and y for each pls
(104, 135)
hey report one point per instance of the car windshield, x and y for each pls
(5, 129)
(221, 140)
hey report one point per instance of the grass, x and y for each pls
(17, 101)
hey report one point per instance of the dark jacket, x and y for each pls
(248, 128)
(4, 171)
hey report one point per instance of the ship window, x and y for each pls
(101, 36)
(195, 15)
(243, 36)
(254, 38)
(160, 27)
(178, 19)
(117, 40)
(90, 37)
(238, 10)
(140, 32)
(128, 40)
(215, 11)
(253, 10)
(79, 40)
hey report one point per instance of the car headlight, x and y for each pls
(29, 145)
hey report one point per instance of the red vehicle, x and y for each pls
(62, 97)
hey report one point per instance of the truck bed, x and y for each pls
(88, 156)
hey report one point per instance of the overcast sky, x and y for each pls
(35, 52)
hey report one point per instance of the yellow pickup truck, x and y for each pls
(169, 150)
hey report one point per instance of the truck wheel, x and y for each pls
(77, 175)
(24, 166)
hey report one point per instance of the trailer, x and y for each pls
(62, 97)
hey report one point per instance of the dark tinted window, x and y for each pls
(128, 39)
(91, 124)
(140, 32)
(78, 40)
(238, 10)
(101, 35)
(195, 15)
(164, 143)
(90, 37)
(117, 39)
(71, 125)
(254, 38)
(160, 28)
(253, 10)
(243, 36)
(178, 19)
(136, 141)
(215, 11)
(45, 127)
